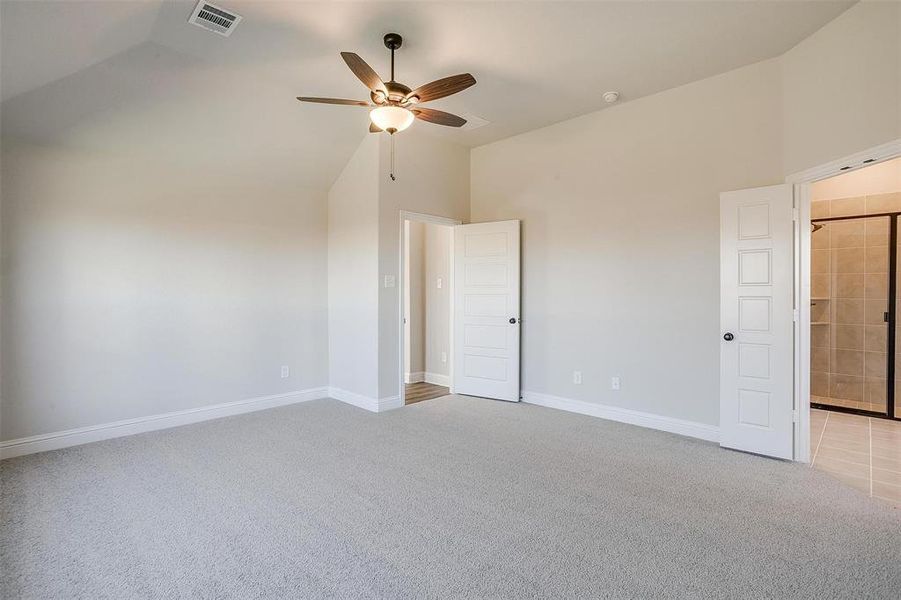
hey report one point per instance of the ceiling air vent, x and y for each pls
(474, 122)
(214, 18)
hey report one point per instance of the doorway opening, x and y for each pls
(855, 385)
(426, 298)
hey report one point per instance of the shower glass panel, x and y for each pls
(849, 313)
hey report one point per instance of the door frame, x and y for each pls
(801, 182)
(406, 215)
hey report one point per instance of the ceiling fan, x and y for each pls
(394, 105)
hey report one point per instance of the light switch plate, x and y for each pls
(389, 281)
(440, 282)
(577, 377)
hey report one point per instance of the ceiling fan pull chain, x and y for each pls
(392, 159)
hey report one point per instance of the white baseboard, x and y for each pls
(437, 379)
(365, 402)
(624, 415)
(389, 403)
(105, 431)
(414, 377)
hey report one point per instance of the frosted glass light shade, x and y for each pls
(391, 118)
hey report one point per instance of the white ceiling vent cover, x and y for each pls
(214, 18)
(473, 122)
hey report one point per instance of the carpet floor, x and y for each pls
(452, 498)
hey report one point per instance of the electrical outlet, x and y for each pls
(285, 371)
(444, 357)
(614, 383)
(577, 377)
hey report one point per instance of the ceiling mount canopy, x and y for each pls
(395, 105)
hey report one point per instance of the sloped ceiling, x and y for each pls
(87, 74)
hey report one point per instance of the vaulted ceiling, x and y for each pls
(87, 74)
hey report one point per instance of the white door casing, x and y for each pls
(486, 310)
(756, 309)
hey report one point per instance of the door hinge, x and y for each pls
(794, 416)
(796, 315)
(796, 215)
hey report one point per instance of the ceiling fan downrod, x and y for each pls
(393, 41)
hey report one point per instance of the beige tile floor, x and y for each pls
(863, 452)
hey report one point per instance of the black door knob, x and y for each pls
(512, 320)
(728, 337)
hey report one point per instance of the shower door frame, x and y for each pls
(890, 320)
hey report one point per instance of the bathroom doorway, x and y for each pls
(854, 290)
(855, 379)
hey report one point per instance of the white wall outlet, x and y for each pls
(285, 371)
(389, 281)
(577, 377)
(444, 357)
(440, 282)
(614, 383)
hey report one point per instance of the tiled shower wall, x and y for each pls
(849, 296)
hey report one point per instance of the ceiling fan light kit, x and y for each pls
(391, 118)
(395, 105)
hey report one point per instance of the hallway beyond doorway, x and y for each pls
(417, 392)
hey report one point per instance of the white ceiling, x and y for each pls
(87, 72)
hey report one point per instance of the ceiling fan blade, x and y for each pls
(364, 73)
(441, 88)
(439, 117)
(374, 129)
(334, 101)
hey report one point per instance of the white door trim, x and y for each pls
(858, 160)
(802, 181)
(406, 215)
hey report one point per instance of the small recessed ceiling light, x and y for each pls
(611, 97)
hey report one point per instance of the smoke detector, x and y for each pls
(611, 97)
(214, 18)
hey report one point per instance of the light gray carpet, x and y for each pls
(450, 498)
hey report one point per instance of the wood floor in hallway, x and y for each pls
(417, 392)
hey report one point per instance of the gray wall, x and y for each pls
(841, 87)
(620, 237)
(353, 273)
(437, 300)
(414, 298)
(134, 287)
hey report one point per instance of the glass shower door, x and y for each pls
(850, 313)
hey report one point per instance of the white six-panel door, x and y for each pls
(756, 319)
(486, 310)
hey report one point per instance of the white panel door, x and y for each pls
(486, 310)
(756, 319)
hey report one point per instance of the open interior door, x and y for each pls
(756, 319)
(486, 310)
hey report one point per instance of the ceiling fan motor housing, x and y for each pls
(396, 93)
